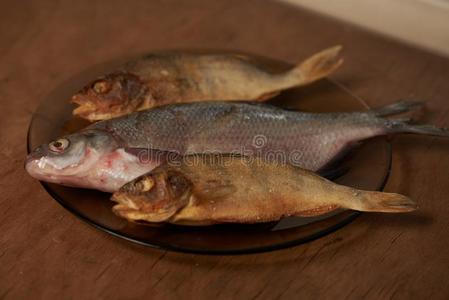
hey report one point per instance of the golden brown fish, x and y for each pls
(160, 79)
(205, 190)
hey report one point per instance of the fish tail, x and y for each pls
(382, 202)
(402, 126)
(397, 108)
(316, 67)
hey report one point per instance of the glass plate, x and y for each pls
(367, 168)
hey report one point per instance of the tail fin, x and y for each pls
(383, 202)
(316, 67)
(401, 126)
(397, 108)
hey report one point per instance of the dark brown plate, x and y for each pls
(367, 168)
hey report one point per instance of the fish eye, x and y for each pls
(59, 145)
(101, 87)
(145, 184)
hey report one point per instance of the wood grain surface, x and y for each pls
(47, 253)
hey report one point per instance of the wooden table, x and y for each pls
(47, 253)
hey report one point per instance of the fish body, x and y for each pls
(165, 78)
(308, 140)
(112, 152)
(205, 190)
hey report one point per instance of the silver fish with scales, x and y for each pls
(106, 155)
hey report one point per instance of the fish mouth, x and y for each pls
(139, 215)
(128, 209)
(30, 157)
(79, 99)
(87, 109)
(122, 200)
(33, 169)
(33, 156)
(36, 169)
(84, 105)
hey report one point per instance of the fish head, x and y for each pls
(110, 96)
(68, 159)
(153, 197)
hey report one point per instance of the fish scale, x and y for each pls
(108, 154)
(229, 127)
(209, 192)
(183, 77)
